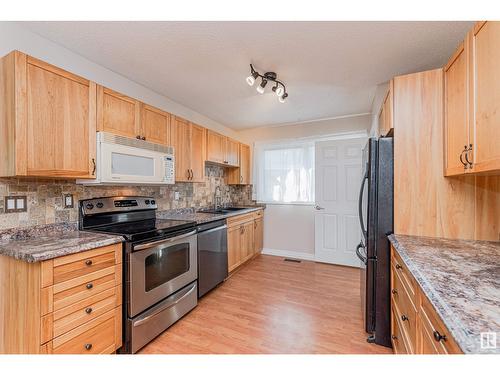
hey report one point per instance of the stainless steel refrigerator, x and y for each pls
(376, 208)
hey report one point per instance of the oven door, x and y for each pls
(159, 268)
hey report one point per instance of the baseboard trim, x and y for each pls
(288, 254)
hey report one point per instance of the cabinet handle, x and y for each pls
(241, 178)
(138, 136)
(93, 167)
(89, 286)
(467, 150)
(189, 175)
(394, 291)
(461, 159)
(438, 337)
(255, 224)
(394, 337)
(404, 317)
(88, 310)
(398, 267)
(88, 346)
(143, 138)
(88, 262)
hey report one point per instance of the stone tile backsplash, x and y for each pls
(46, 206)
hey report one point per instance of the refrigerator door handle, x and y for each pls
(358, 252)
(360, 205)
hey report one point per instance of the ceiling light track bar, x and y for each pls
(265, 78)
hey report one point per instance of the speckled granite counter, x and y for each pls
(462, 281)
(39, 243)
(203, 217)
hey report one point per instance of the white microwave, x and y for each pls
(129, 161)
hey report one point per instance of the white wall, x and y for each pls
(15, 37)
(289, 229)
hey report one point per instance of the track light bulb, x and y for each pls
(262, 86)
(283, 97)
(280, 91)
(250, 80)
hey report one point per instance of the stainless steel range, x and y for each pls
(160, 264)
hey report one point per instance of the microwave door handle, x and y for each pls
(154, 243)
(360, 205)
(168, 305)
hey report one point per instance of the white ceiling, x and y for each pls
(330, 68)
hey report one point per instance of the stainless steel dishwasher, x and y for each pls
(212, 255)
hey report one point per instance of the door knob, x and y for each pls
(319, 207)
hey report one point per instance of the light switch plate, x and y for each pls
(16, 203)
(68, 200)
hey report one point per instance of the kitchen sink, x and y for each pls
(234, 208)
(221, 211)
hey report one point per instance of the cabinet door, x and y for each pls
(216, 145)
(155, 125)
(244, 164)
(198, 142)
(486, 86)
(117, 113)
(456, 112)
(258, 236)
(233, 247)
(247, 241)
(232, 152)
(181, 140)
(61, 122)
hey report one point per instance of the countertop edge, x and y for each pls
(451, 322)
(165, 215)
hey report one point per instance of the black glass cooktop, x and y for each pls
(147, 229)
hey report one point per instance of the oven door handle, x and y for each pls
(154, 243)
(167, 306)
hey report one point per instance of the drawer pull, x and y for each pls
(90, 286)
(404, 317)
(88, 262)
(88, 310)
(438, 337)
(394, 291)
(394, 337)
(398, 267)
(88, 346)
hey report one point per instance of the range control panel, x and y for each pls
(117, 204)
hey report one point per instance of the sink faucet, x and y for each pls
(217, 198)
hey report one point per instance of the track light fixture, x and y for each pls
(279, 87)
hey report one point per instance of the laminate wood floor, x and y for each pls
(271, 306)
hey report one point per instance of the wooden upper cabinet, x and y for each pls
(456, 93)
(128, 117)
(198, 153)
(485, 79)
(47, 120)
(117, 113)
(232, 152)
(155, 125)
(216, 147)
(241, 175)
(189, 141)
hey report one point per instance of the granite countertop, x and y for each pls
(203, 217)
(44, 242)
(461, 279)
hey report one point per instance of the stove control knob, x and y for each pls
(146, 201)
(89, 206)
(99, 205)
(153, 202)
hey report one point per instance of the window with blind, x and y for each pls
(284, 173)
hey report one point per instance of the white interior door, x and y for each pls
(338, 177)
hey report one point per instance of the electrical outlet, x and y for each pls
(68, 200)
(176, 196)
(16, 203)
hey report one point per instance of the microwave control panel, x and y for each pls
(169, 169)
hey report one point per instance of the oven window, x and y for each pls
(132, 165)
(166, 264)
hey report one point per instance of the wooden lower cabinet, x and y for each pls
(244, 238)
(67, 305)
(415, 326)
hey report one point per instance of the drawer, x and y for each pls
(100, 335)
(258, 214)
(84, 311)
(86, 286)
(76, 265)
(436, 337)
(403, 273)
(405, 308)
(397, 339)
(240, 219)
